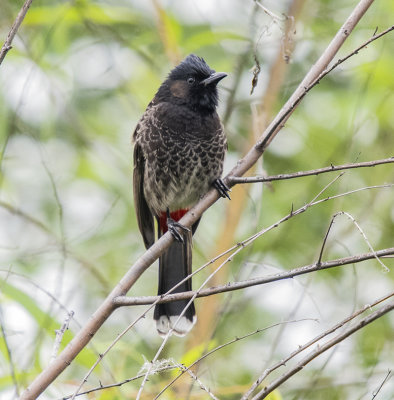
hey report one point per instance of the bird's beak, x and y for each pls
(214, 78)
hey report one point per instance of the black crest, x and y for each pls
(192, 65)
(192, 84)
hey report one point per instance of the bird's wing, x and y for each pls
(144, 215)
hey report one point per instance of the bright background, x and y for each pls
(72, 89)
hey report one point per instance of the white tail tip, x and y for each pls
(180, 328)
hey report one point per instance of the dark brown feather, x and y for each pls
(144, 215)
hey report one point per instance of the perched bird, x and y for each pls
(179, 148)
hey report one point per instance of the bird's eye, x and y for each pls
(190, 80)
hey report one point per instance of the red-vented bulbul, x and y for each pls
(179, 148)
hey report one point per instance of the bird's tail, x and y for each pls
(174, 265)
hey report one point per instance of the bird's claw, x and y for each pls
(172, 227)
(222, 188)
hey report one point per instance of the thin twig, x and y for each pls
(169, 333)
(331, 168)
(322, 348)
(171, 366)
(195, 294)
(124, 300)
(281, 332)
(7, 46)
(300, 349)
(80, 340)
(141, 316)
(112, 385)
(59, 335)
(236, 339)
(270, 13)
(324, 241)
(200, 383)
(205, 282)
(143, 300)
(313, 201)
(385, 268)
(318, 72)
(101, 357)
(375, 393)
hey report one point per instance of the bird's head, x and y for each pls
(193, 84)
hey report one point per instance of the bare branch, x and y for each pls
(317, 72)
(237, 248)
(170, 366)
(300, 349)
(254, 179)
(112, 385)
(236, 339)
(169, 333)
(325, 240)
(59, 335)
(103, 354)
(355, 51)
(228, 259)
(270, 13)
(64, 359)
(7, 46)
(322, 348)
(385, 268)
(388, 375)
(201, 384)
(128, 301)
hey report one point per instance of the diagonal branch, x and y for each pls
(317, 72)
(233, 250)
(375, 392)
(51, 372)
(321, 349)
(209, 278)
(311, 342)
(7, 46)
(236, 339)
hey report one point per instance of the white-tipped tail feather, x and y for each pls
(180, 328)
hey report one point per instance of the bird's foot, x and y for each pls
(172, 227)
(222, 188)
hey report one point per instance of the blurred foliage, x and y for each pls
(72, 89)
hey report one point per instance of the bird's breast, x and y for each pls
(182, 168)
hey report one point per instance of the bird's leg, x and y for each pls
(172, 227)
(222, 188)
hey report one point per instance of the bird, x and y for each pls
(179, 150)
